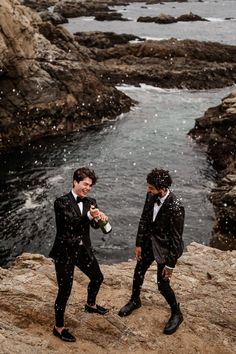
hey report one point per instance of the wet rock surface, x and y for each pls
(39, 5)
(53, 17)
(166, 19)
(110, 16)
(204, 281)
(167, 63)
(217, 130)
(76, 9)
(103, 40)
(46, 87)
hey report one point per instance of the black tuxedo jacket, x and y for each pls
(72, 228)
(165, 232)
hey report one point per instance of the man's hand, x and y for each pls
(103, 216)
(96, 213)
(167, 273)
(137, 252)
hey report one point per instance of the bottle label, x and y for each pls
(107, 227)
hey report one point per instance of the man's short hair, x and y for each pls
(83, 172)
(159, 178)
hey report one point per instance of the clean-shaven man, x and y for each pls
(75, 212)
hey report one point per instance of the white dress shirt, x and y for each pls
(80, 205)
(158, 207)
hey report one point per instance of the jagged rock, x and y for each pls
(38, 5)
(54, 17)
(204, 280)
(167, 19)
(217, 130)
(45, 88)
(103, 39)
(190, 17)
(168, 63)
(223, 197)
(80, 8)
(110, 16)
(161, 19)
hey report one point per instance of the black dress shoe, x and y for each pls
(98, 309)
(129, 307)
(175, 320)
(64, 335)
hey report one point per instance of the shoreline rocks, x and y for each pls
(167, 19)
(204, 281)
(51, 83)
(217, 130)
(110, 16)
(76, 9)
(183, 64)
(103, 40)
(46, 87)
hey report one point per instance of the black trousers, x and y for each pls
(139, 273)
(65, 272)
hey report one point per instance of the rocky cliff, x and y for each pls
(46, 88)
(51, 83)
(204, 279)
(217, 130)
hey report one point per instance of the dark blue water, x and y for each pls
(122, 152)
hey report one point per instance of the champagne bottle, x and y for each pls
(104, 225)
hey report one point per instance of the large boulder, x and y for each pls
(80, 8)
(217, 130)
(46, 87)
(103, 40)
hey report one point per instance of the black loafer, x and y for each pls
(173, 323)
(98, 309)
(129, 307)
(64, 335)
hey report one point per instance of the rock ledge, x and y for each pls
(205, 281)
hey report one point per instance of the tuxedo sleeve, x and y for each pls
(176, 232)
(143, 224)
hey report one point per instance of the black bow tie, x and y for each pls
(79, 199)
(157, 200)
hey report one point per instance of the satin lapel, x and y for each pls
(150, 211)
(74, 204)
(86, 206)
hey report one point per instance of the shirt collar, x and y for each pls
(165, 196)
(74, 195)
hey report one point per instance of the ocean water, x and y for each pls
(218, 29)
(122, 152)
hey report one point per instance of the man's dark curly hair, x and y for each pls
(159, 178)
(83, 172)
